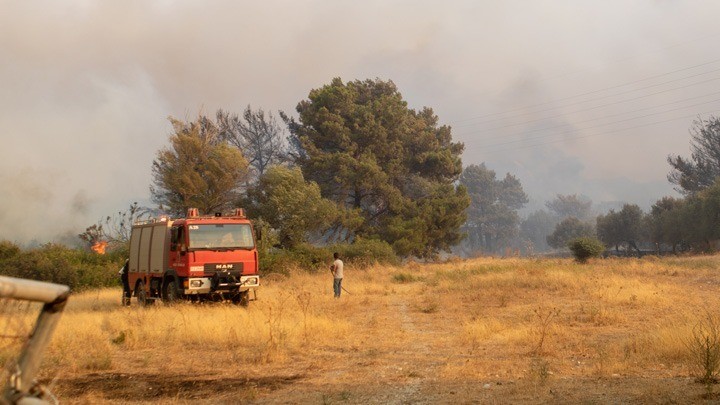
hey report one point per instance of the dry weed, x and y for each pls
(457, 323)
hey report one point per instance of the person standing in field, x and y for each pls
(337, 271)
(125, 282)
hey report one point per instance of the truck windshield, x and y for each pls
(221, 236)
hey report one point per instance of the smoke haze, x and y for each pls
(87, 88)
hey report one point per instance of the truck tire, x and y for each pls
(141, 294)
(242, 298)
(170, 294)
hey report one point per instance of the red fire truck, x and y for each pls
(196, 258)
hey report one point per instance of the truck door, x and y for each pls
(178, 249)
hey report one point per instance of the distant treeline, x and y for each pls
(690, 223)
(358, 164)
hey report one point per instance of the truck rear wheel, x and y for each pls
(170, 294)
(141, 294)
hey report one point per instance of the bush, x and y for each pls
(8, 250)
(404, 278)
(361, 253)
(585, 248)
(365, 252)
(303, 256)
(75, 268)
(704, 350)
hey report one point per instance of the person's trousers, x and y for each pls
(127, 293)
(337, 286)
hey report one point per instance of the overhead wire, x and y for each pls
(603, 133)
(523, 132)
(602, 98)
(605, 89)
(596, 107)
(600, 125)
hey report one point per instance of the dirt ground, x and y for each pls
(406, 347)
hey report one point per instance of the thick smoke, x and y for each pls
(88, 86)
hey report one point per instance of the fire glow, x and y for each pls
(99, 247)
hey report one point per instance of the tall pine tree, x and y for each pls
(392, 165)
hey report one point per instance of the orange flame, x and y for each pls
(99, 247)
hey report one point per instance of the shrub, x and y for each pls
(704, 350)
(585, 248)
(75, 268)
(8, 250)
(363, 252)
(303, 256)
(404, 278)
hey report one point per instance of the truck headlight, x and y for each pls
(196, 283)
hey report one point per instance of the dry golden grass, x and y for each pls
(486, 330)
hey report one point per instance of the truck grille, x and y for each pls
(223, 267)
(225, 276)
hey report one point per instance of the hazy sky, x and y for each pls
(573, 96)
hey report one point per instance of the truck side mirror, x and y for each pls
(258, 233)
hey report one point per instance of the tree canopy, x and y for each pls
(290, 205)
(535, 228)
(568, 229)
(621, 227)
(666, 222)
(700, 171)
(492, 215)
(392, 165)
(257, 134)
(570, 205)
(197, 170)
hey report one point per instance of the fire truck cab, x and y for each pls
(196, 258)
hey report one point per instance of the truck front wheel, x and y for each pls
(242, 298)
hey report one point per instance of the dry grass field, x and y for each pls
(478, 331)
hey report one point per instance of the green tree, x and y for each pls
(197, 170)
(536, 227)
(492, 215)
(395, 166)
(622, 227)
(701, 219)
(291, 205)
(698, 172)
(666, 222)
(694, 229)
(568, 229)
(570, 205)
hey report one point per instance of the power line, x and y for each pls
(596, 107)
(619, 60)
(603, 133)
(527, 131)
(601, 125)
(589, 100)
